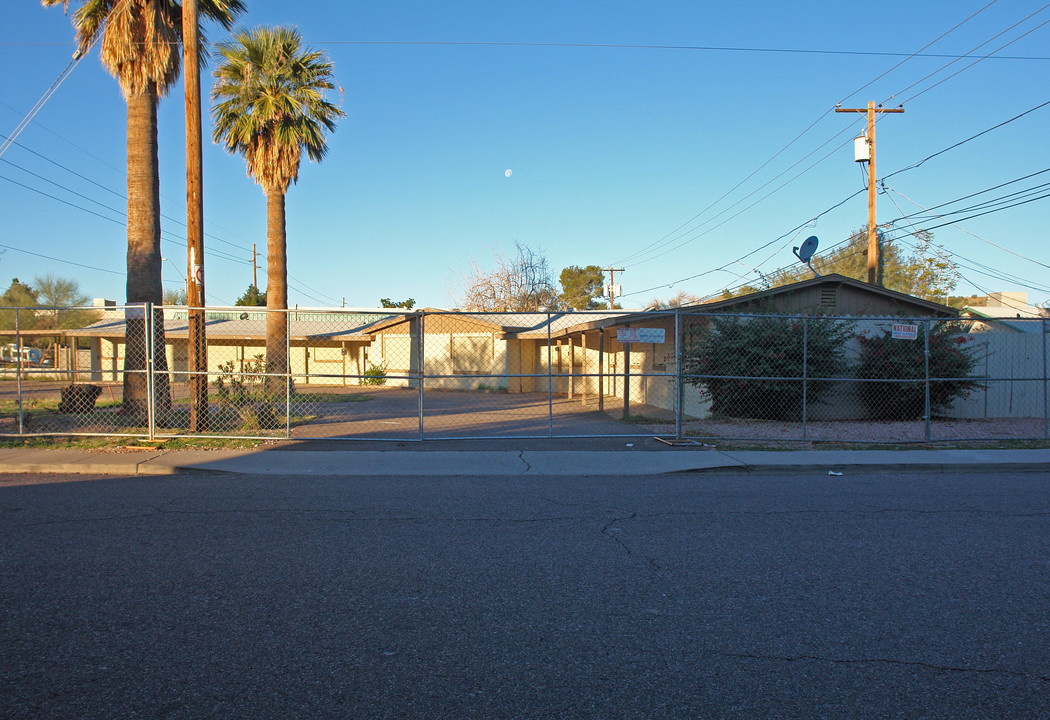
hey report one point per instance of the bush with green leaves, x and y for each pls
(248, 395)
(374, 375)
(953, 357)
(724, 355)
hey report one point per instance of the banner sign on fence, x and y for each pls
(904, 331)
(626, 335)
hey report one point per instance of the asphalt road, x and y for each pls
(679, 596)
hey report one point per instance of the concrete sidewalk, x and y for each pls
(504, 463)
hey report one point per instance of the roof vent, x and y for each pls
(828, 297)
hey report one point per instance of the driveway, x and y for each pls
(393, 413)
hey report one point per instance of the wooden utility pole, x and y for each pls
(873, 243)
(255, 269)
(198, 350)
(612, 284)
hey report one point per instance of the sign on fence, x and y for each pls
(904, 331)
(626, 335)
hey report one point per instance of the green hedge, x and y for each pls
(738, 348)
(952, 360)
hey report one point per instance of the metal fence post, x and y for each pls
(926, 364)
(288, 370)
(18, 374)
(550, 381)
(1046, 387)
(678, 373)
(805, 373)
(151, 386)
(421, 374)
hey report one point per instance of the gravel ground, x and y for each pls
(863, 431)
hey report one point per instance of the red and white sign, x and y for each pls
(904, 331)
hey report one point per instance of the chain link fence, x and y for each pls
(404, 375)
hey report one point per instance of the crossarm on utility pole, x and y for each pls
(873, 245)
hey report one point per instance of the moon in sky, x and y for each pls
(508, 173)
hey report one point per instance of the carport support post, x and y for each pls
(626, 378)
(572, 361)
(583, 366)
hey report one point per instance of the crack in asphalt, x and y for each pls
(521, 456)
(881, 661)
(626, 548)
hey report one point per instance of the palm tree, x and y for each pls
(270, 108)
(140, 48)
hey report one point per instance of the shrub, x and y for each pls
(952, 360)
(374, 375)
(722, 356)
(249, 395)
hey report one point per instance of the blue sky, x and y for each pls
(676, 163)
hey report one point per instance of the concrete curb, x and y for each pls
(509, 463)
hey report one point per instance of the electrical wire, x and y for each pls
(744, 257)
(60, 260)
(661, 241)
(63, 187)
(742, 211)
(70, 66)
(919, 163)
(963, 142)
(948, 252)
(918, 53)
(969, 54)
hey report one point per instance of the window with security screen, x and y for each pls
(471, 355)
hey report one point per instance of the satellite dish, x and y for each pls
(805, 253)
(809, 247)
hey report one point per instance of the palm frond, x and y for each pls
(270, 105)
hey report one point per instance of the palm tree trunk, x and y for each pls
(144, 259)
(276, 292)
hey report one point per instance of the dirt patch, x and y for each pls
(861, 431)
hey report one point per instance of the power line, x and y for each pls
(103, 187)
(63, 187)
(668, 237)
(969, 54)
(616, 46)
(64, 202)
(164, 236)
(918, 53)
(963, 142)
(640, 46)
(911, 167)
(761, 199)
(744, 257)
(958, 227)
(60, 260)
(77, 57)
